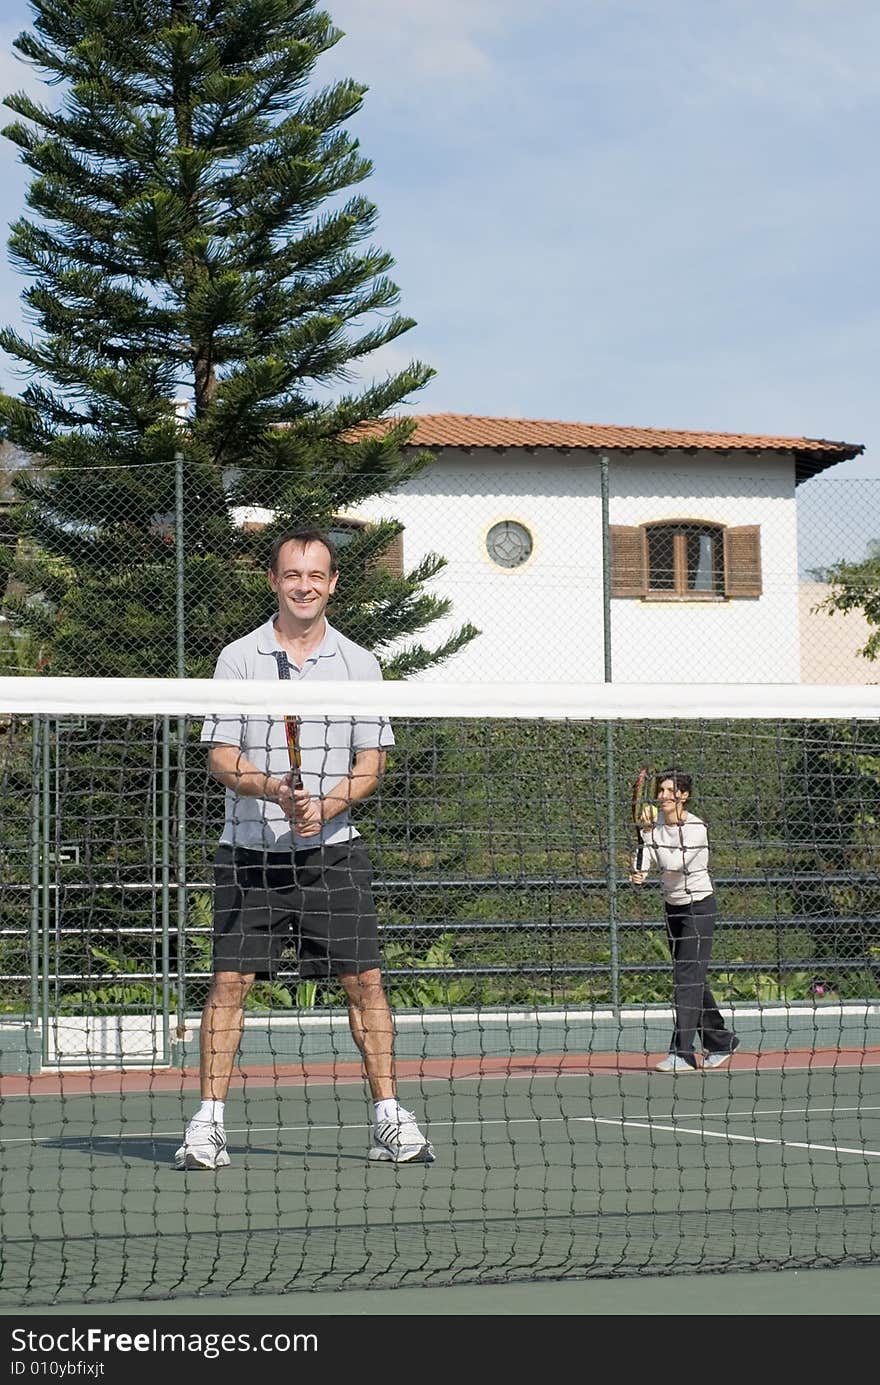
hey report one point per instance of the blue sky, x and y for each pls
(649, 212)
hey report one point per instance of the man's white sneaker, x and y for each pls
(204, 1147)
(675, 1063)
(400, 1140)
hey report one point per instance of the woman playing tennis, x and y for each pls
(677, 843)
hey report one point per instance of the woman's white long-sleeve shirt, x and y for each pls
(681, 854)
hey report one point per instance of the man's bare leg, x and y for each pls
(204, 1142)
(396, 1136)
(372, 1028)
(221, 1030)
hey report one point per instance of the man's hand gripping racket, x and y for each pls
(303, 810)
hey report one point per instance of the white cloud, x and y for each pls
(619, 210)
(412, 39)
(388, 360)
(806, 71)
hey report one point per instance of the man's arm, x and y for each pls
(235, 771)
(366, 775)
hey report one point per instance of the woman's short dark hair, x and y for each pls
(303, 536)
(680, 780)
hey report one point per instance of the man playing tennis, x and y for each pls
(290, 870)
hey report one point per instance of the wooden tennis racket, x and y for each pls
(291, 725)
(291, 731)
(642, 798)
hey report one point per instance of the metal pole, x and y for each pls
(165, 878)
(36, 780)
(181, 749)
(179, 554)
(46, 903)
(606, 568)
(181, 877)
(610, 797)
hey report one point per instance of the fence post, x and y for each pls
(181, 745)
(165, 879)
(45, 887)
(179, 557)
(610, 797)
(36, 789)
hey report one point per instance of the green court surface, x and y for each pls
(552, 1183)
(763, 1293)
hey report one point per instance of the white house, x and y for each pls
(703, 548)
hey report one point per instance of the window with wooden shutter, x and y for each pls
(686, 560)
(628, 561)
(742, 561)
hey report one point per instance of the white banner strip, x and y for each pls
(196, 697)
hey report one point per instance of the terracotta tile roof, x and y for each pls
(477, 431)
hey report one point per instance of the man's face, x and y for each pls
(302, 580)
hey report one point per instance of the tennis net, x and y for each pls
(530, 981)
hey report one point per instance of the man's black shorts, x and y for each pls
(318, 903)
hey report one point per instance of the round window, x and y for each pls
(509, 543)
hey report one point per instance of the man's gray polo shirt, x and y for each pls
(328, 744)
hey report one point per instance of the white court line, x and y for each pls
(723, 1135)
(758, 1112)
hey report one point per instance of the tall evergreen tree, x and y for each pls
(195, 235)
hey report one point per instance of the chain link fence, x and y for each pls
(711, 575)
(663, 576)
(112, 824)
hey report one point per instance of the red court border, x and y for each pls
(133, 1080)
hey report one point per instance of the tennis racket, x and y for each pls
(642, 798)
(291, 725)
(291, 731)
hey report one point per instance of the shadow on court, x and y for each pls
(151, 1150)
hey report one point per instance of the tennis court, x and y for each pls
(530, 994)
(585, 1170)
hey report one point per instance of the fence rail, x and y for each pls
(775, 622)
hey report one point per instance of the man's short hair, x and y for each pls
(303, 536)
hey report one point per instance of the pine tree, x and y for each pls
(196, 234)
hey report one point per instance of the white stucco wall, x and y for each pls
(543, 621)
(831, 640)
(539, 622)
(742, 640)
